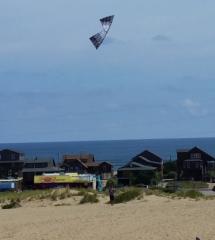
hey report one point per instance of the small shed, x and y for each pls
(11, 184)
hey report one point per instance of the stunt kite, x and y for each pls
(98, 38)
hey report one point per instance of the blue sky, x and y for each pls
(152, 78)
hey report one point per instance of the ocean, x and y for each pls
(117, 152)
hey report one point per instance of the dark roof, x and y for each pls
(66, 162)
(142, 168)
(38, 159)
(11, 150)
(12, 161)
(149, 156)
(146, 160)
(82, 157)
(183, 150)
(105, 162)
(44, 170)
(93, 164)
(195, 149)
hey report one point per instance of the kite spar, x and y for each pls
(98, 38)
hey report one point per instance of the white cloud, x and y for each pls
(194, 108)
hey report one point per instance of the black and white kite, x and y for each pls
(98, 38)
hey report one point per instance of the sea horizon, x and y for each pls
(104, 140)
(118, 152)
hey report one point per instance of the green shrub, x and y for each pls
(128, 194)
(192, 184)
(170, 192)
(169, 166)
(158, 191)
(171, 187)
(111, 182)
(140, 177)
(190, 194)
(89, 198)
(171, 175)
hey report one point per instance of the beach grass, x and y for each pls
(83, 191)
(192, 184)
(89, 197)
(184, 190)
(194, 194)
(28, 194)
(128, 194)
(11, 204)
(51, 194)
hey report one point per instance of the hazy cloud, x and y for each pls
(194, 108)
(111, 40)
(161, 38)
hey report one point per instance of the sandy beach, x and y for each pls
(154, 218)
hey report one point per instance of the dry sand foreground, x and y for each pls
(152, 218)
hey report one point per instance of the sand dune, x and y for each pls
(152, 218)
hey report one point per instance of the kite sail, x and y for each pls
(98, 38)
(106, 22)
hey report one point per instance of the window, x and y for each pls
(197, 165)
(29, 165)
(41, 165)
(186, 164)
(211, 165)
(195, 155)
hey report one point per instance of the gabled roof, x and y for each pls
(93, 164)
(146, 160)
(97, 164)
(66, 163)
(39, 160)
(105, 162)
(82, 157)
(11, 150)
(44, 170)
(194, 150)
(149, 156)
(183, 150)
(137, 168)
(197, 149)
(12, 161)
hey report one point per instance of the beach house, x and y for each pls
(194, 164)
(11, 164)
(85, 163)
(141, 169)
(37, 166)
